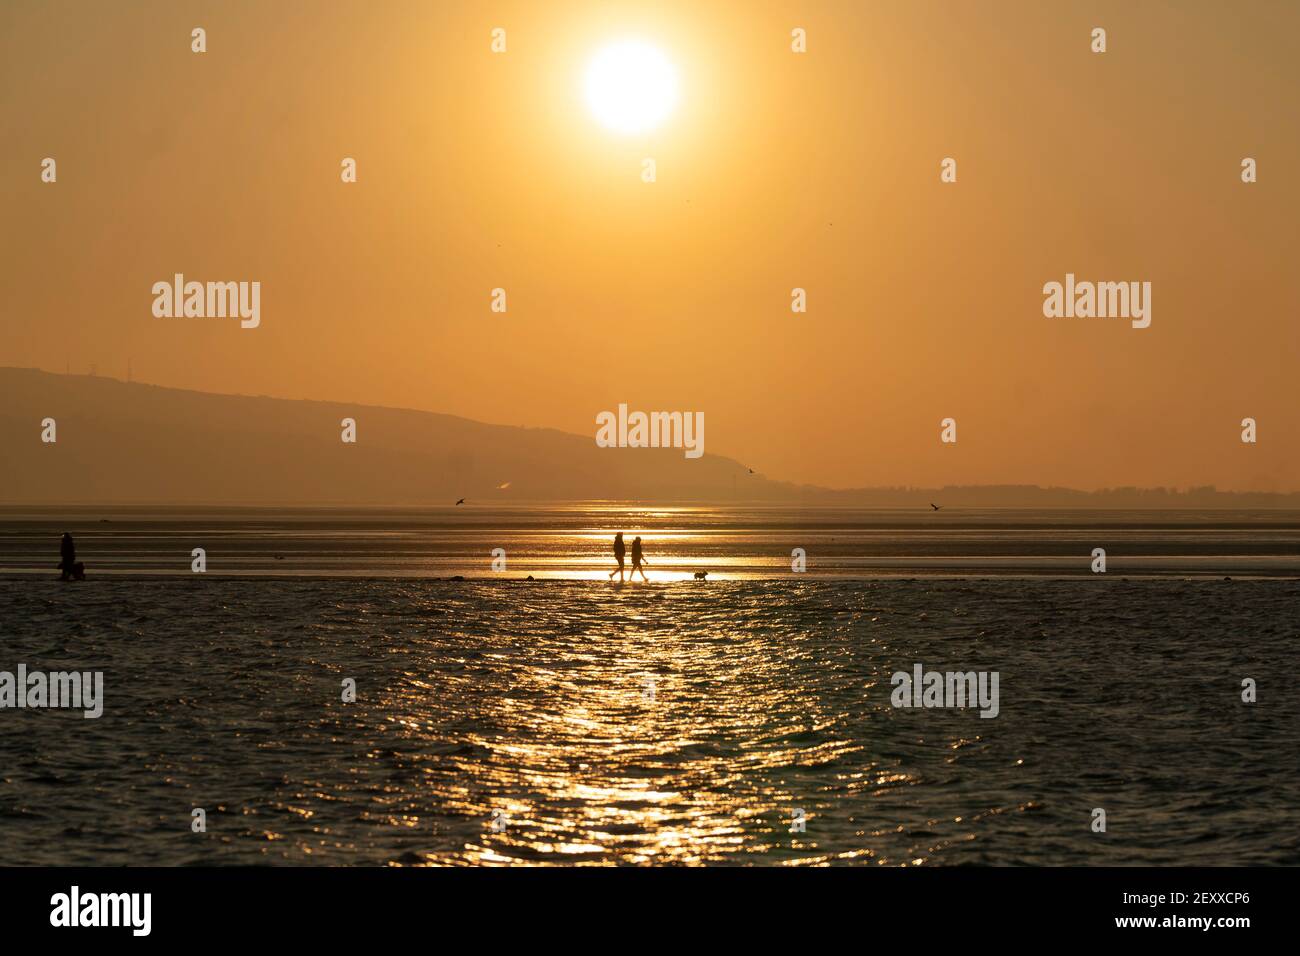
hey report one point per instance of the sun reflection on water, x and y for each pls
(634, 726)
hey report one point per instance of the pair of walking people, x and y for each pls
(637, 558)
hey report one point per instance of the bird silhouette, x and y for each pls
(934, 506)
(461, 502)
(751, 471)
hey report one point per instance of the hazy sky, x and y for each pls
(778, 170)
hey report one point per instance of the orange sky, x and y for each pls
(777, 170)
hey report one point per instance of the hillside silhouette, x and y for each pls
(132, 443)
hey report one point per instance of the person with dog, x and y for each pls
(73, 570)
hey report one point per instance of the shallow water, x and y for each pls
(533, 700)
(574, 542)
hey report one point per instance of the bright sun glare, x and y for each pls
(631, 87)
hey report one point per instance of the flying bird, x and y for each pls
(503, 486)
(934, 506)
(461, 501)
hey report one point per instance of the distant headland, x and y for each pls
(131, 443)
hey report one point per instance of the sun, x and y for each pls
(631, 87)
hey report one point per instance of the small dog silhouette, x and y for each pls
(701, 575)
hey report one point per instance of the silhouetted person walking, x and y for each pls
(73, 570)
(637, 560)
(619, 551)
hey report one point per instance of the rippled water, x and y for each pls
(664, 723)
